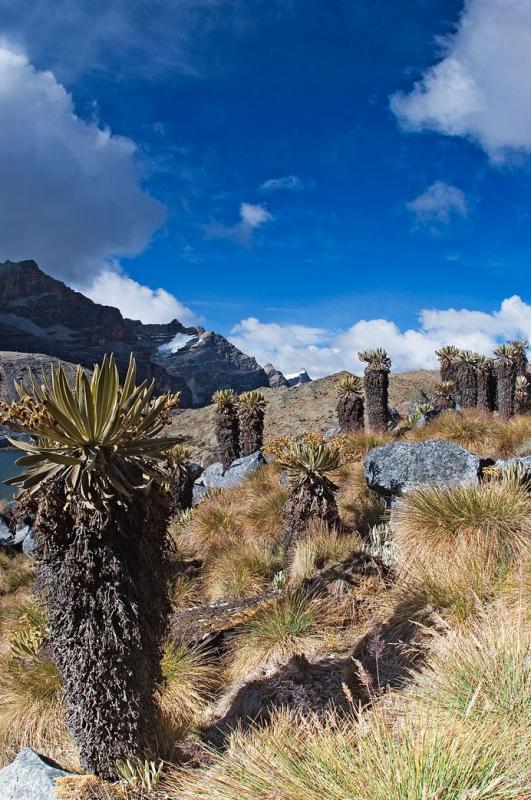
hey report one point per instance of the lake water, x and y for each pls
(7, 470)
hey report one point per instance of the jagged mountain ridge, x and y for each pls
(39, 314)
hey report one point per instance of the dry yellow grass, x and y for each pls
(289, 624)
(241, 569)
(483, 434)
(31, 710)
(321, 547)
(359, 507)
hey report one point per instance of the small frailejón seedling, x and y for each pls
(227, 433)
(376, 382)
(311, 492)
(251, 413)
(520, 394)
(350, 405)
(101, 502)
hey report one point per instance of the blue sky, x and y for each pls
(306, 165)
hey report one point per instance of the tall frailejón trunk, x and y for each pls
(251, 422)
(306, 504)
(227, 434)
(486, 388)
(505, 382)
(467, 384)
(103, 580)
(376, 382)
(350, 411)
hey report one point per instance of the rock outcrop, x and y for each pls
(275, 377)
(207, 362)
(396, 468)
(41, 316)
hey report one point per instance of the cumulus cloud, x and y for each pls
(136, 301)
(323, 352)
(437, 206)
(251, 217)
(480, 88)
(289, 182)
(70, 193)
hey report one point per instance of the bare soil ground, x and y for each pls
(310, 407)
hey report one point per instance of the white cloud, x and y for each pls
(480, 88)
(438, 205)
(289, 182)
(70, 192)
(323, 352)
(251, 217)
(136, 301)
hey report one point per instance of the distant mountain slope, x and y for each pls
(307, 407)
(39, 314)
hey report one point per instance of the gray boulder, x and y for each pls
(198, 493)
(29, 777)
(396, 468)
(242, 467)
(213, 476)
(331, 432)
(393, 418)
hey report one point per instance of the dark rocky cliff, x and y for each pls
(39, 314)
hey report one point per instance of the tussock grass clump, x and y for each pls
(289, 624)
(214, 522)
(457, 545)
(31, 709)
(482, 671)
(323, 546)
(241, 569)
(16, 572)
(433, 521)
(371, 759)
(262, 500)
(190, 678)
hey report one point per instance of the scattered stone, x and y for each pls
(331, 432)
(393, 469)
(20, 534)
(29, 777)
(198, 493)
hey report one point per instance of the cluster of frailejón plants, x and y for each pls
(498, 383)
(239, 422)
(95, 479)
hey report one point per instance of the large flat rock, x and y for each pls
(396, 468)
